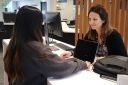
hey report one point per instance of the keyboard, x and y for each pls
(53, 48)
(71, 26)
(62, 46)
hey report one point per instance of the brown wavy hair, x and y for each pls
(106, 29)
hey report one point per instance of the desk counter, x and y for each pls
(80, 78)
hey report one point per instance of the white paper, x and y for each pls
(122, 79)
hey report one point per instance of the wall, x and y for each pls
(35, 3)
(10, 7)
(67, 10)
(1, 16)
(15, 4)
(51, 5)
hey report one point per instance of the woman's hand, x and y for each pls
(89, 66)
(65, 54)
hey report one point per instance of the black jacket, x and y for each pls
(114, 44)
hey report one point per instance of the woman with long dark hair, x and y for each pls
(27, 60)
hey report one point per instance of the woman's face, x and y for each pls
(95, 21)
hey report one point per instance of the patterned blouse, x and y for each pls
(102, 50)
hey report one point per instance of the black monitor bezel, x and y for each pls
(53, 26)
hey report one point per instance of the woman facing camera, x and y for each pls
(109, 39)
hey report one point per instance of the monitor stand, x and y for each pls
(48, 35)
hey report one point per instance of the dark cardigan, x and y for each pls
(115, 44)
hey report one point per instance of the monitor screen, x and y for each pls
(9, 16)
(52, 21)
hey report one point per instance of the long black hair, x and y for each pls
(27, 28)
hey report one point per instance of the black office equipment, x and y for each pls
(53, 48)
(64, 47)
(52, 21)
(9, 17)
(5, 33)
(53, 26)
(86, 50)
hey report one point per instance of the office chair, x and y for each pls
(2, 29)
(5, 30)
(2, 32)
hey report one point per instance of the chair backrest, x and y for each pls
(2, 30)
(1, 25)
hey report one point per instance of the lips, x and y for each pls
(93, 26)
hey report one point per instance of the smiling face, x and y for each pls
(95, 21)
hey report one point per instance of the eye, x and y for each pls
(94, 19)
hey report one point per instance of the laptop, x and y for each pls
(85, 50)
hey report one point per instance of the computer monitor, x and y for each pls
(52, 21)
(9, 16)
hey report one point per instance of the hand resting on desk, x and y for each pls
(68, 55)
(89, 66)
